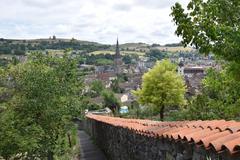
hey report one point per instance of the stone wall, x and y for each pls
(119, 143)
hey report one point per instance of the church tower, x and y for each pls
(117, 59)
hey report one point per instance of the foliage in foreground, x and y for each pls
(45, 95)
(220, 98)
(212, 26)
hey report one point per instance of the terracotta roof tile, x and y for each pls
(217, 134)
(196, 137)
(217, 144)
(231, 145)
(226, 125)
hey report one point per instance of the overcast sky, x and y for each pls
(94, 20)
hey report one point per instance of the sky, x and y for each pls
(100, 21)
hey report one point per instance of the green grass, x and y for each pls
(50, 52)
(122, 52)
(8, 56)
(102, 52)
(74, 152)
(175, 49)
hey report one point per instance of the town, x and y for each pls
(119, 80)
(120, 67)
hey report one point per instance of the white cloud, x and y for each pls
(95, 20)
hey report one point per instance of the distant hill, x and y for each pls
(20, 47)
(143, 47)
(173, 45)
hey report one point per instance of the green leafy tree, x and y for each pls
(220, 98)
(97, 87)
(127, 59)
(111, 101)
(162, 87)
(156, 54)
(45, 94)
(115, 86)
(212, 26)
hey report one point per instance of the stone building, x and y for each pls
(193, 76)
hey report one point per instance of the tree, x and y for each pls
(115, 86)
(212, 26)
(156, 54)
(218, 100)
(97, 87)
(127, 59)
(162, 87)
(45, 94)
(111, 101)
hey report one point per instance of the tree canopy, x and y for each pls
(162, 87)
(111, 101)
(97, 87)
(44, 97)
(218, 100)
(212, 26)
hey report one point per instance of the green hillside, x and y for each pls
(20, 47)
(57, 45)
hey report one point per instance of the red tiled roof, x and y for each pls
(216, 134)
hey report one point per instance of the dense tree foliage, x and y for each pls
(99, 59)
(45, 94)
(97, 87)
(105, 59)
(19, 47)
(130, 59)
(110, 101)
(116, 87)
(162, 87)
(211, 26)
(156, 54)
(220, 98)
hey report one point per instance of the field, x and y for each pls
(50, 52)
(122, 52)
(175, 49)
(6, 56)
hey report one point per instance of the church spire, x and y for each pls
(117, 54)
(117, 59)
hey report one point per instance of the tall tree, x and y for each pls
(111, 101)
(212, 26)
(116, 87)
(162, 87)
(97, 87)
(45, 94)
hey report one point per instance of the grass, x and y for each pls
(102, 52)
(175, 49)
(50, 52)
(122, 52)
(8, 56)
(55, 52)
(72, 153)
